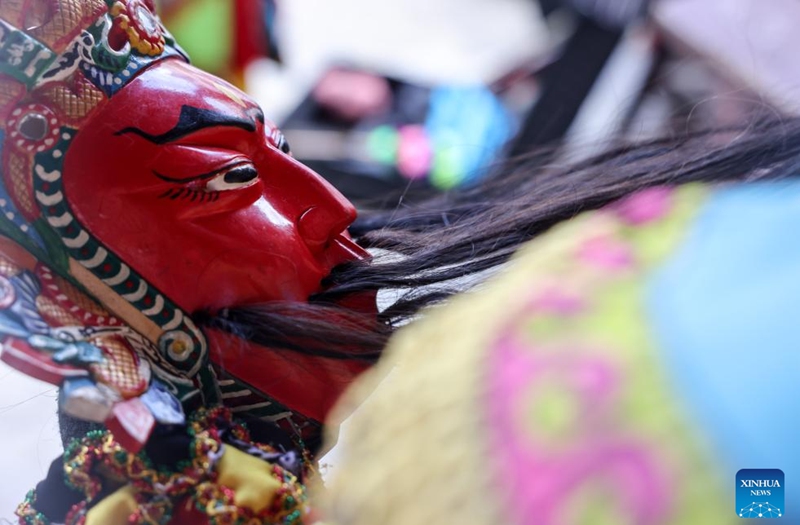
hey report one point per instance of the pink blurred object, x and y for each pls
(607, 253)
(645, 206)
(353, 95)
(415, 155)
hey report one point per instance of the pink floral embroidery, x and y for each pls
(644, 206)
(556, 302)
(542, 483)
(548, 476)
(607, 253)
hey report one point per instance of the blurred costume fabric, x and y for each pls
(622, 370)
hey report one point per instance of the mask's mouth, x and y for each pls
(336, 326)
(327, 324)
(342, 249)
(345, 251)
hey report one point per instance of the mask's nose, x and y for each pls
(318, 225)
(320, 212)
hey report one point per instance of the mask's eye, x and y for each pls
(235, 178)
(280, 142)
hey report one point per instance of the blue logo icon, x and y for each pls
(760, 493)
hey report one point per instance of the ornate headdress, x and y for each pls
(75, 56)
(74, 312)
(77, 313)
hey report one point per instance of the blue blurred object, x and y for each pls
(468, 127)
(725, 309)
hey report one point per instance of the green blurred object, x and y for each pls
(448, 167)
(224, 36)
(205, 30)
(383, 143)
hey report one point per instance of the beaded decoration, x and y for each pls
(98, 459)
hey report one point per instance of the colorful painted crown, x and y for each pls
(59, 61)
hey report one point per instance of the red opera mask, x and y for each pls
(198, 197)
(137, 190)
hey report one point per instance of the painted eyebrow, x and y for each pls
(194, 119)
